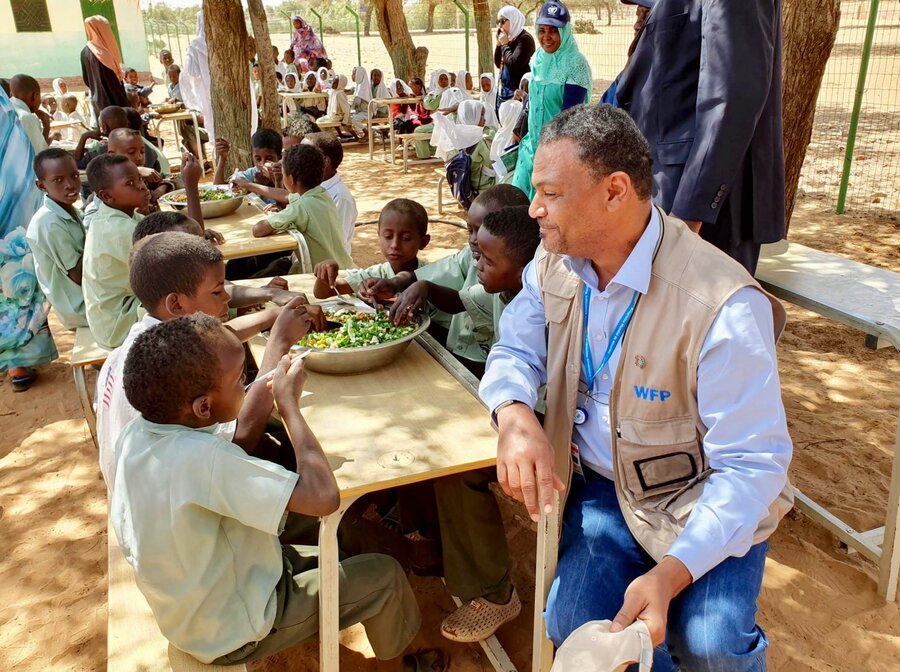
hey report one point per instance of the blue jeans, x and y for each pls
(712, 624)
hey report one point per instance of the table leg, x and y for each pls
(284, 111)
(86, 407)
(547, 551)
(329, 623)
(157, 126)
(369, 129)
(197, 136)
(890, 547)
(391, 132)
(405, 156)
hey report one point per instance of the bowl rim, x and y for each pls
(424, 323)
(203, 187)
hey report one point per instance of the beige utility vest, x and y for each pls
(656, 430)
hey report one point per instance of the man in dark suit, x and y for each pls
(704, 86)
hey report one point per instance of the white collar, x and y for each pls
(333, 181)
(635, 272)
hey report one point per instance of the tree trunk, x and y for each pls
(407, 59)
(226, 37)
(429, 25)
(485, 41)
(367, 21)
(270, 114)
(810, 28)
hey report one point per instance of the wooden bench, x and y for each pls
(134, 641)
(86, 353)
(867, 299)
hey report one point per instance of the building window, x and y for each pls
(31, 16)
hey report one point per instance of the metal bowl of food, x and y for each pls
(342, 356)
(166, 108)
(216, 200)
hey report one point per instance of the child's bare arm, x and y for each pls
(326, 273)
(241, 296)
(421, 293)
(316, 492)
(248, 326)
(191, 172)
(262, 229)
(74, 273)
(82, 141)
(222, 149)
(280, 196)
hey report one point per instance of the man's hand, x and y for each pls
(327, 272)
(191, 170)
(525, 460)
(214, 237)
(411, 301)
(223, 147)
(648, 598)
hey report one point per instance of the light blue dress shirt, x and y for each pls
(738, 395)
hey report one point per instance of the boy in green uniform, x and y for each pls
(402, 233)
(205, 545)
(110, 305)
(56, 236)
(310, 210)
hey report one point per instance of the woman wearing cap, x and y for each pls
(561, 79)
(515, 47)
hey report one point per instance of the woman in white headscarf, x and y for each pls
(512, 56)
(488, 95)
(195, 82)
(466, 135)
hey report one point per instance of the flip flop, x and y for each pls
(24, 383)
(426, 660)
(593, 647)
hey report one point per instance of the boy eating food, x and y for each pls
(310, 209)
(205, 546)
(56, 236)
(261, 178)
(402, 233)
(110, 305)
(128, 142)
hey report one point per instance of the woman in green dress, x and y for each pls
(561, 79)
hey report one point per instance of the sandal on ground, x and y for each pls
(594, 647)
(24, 383)
(427, 660)
(479, 619)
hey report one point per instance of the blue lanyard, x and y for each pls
(589, 372)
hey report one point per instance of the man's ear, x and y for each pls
(425, 240)
(202, 407)
(618, 187)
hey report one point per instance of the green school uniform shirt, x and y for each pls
(315, 216)
(458, 272)
(484, 310)
(110, 305)
(56, 239)
(198, 520)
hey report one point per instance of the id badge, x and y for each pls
(576, 460)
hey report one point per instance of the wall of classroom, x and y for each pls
(58, 53)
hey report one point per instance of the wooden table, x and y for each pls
(239, 241)
(310, 96)
(416, 419)
(373, 105)
(865, 298)
(86, 353)
(175, 117)
(65, 123)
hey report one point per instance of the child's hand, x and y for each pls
(275, 173)
(240, 183)
(327, 272)
(222, 148)
(214, 237)
(295, 320)
(191, 170)
(272, 207)
(410, 302)
(149, 174)
(93, 134)
(378, 289)
(287, 382)
(279, 283)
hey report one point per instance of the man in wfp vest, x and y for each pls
(664, 426)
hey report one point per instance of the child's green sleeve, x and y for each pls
(294, 216)
(452, 271)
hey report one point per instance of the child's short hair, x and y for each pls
(408, 208)
(519, 232)
(169, 262)
(4, 84)
(162, 52)
(501, 196)
(113, 116)
(289, 51)
(174, 68)
(100, 170)
(50, 154)
(171, 364)
(135, 121)
(300, 127)
(161, 222)
(329, 145)
(124, 134)
(305, 164)
(24, 85)
(266, 138)
(128, 71)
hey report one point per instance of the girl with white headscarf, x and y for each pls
(362, 96)
(291, 84)
(512, 56)
(437, 85)
(324, 80)
(401, 112)
(338, 105)
(464, 81)
(466, 135)
(489, 98)
(509, 115)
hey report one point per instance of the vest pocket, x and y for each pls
(658, 457)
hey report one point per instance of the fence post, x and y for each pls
(321, 29)
(178, 42)
(465, 11)
(358, 43)
(857, 104)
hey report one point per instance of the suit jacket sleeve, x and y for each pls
(736, 70)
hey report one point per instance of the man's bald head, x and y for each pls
(26, 89)
(111, 118)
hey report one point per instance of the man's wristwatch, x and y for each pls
(499, 408)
